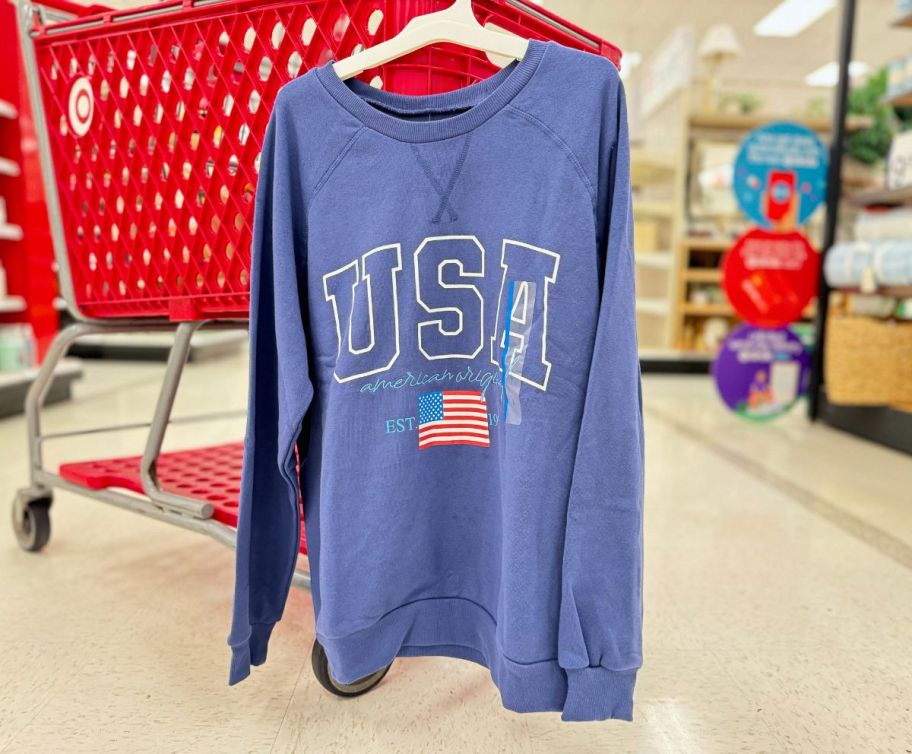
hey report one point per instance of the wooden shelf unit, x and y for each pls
(895, 291)
(708, 243)
(658, 170)
(656, 306)
(699, 259)
(719, 309)
(889, 425)
(656, 260)
(656, 208)
(882, 197)
(703, 275)
(647, 168)
(728, 126)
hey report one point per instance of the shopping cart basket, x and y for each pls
(150, 124)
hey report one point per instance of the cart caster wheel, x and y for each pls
(324, 676)
(32, 523)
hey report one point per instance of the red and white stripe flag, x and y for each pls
(453, 417)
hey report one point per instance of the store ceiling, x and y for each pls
(643, 25)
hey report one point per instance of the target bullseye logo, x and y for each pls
(81, 106)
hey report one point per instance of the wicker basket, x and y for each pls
(868, 361)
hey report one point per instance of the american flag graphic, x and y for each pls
(452, 417)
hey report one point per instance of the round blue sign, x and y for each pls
(780, 175)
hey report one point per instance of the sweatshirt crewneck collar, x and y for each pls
(395, 114)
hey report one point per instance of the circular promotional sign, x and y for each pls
(780, 175)
(760, 374)
(81, 106)
(770, 277)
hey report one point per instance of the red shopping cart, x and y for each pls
(150, 124)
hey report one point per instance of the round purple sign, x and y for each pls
(760, 374)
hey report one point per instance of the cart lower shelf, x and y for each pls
(211, 474)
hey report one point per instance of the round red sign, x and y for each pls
(770, 277)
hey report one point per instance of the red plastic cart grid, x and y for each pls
(150, 124)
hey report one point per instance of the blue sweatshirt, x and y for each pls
(444, 368)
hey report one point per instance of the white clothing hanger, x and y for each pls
(454, 24)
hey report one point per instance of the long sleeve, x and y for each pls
(268, 533)
(599, 640)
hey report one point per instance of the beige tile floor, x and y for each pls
(778, 607)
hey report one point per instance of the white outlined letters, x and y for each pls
(462, 304)
(354, 291)
(449, 290)
(524, 263)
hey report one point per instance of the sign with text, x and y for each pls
(760, 374)
(770, 277)
(899, 161)
(780, 175)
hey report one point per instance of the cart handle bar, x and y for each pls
(74, 9)
(106, 15)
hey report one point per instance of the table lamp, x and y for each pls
(718, 45)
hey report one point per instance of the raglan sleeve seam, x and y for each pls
(334, 165)
(555, 137)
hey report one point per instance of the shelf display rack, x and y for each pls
(889, 425)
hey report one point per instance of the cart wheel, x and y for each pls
(32, 523)
(324, 676)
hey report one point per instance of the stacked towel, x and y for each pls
(869, 264)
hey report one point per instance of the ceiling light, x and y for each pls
(792, 17)
(828, 75)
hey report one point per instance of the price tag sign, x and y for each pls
(770, 277)
(760, 374)
(899, 161)
(780, 175)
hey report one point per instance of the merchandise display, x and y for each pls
(870, 265)
(862, 363)
(442, 362)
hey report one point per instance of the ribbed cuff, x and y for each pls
(251, 652)
(599, 694)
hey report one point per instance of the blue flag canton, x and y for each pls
(430, 407)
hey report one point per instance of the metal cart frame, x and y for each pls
(32, 503)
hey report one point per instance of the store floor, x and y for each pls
(778, 606)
